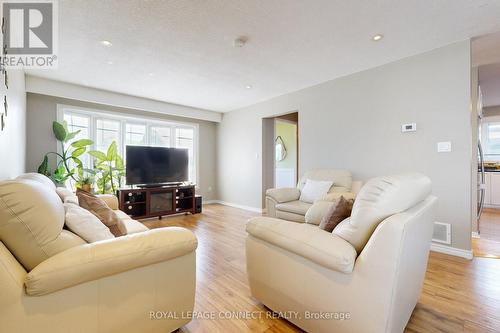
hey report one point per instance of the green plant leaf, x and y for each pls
(59, 131)
(119, 161)
(43, 168)
(112, 151)
(60, 170)
(78, 152)
(65, 125)
(78, 162)
(82, 143)
(90, 171)
(99, 155)
(71, 136)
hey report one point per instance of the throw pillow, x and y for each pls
(85, 224)
(339, 211)
(314, 190)
(98, 207)
(317, 211)
(66, 195)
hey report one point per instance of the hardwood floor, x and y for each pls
(458, 295)
(489, 244)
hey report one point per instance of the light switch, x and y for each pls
(444, 147)
(412, 127)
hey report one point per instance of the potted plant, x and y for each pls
(85, 183)
(68, 164)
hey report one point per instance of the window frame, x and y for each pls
(125, 118)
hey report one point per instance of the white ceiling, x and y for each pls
(181, 51)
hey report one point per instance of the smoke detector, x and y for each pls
(240, 41)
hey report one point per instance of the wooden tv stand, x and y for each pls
(141, 203)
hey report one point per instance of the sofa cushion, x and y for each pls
(100, 209)
(314, 190)
(296, 207)
(31, 222)
(341, 178)
(305, 240)
(290, 216)
(334, 195)
(85, 224)
(38, 177)
(66, 195)
(131, 225)
(378, 199)
(319, 209)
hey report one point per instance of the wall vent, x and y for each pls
(442, 233)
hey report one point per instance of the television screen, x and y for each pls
(156, 165)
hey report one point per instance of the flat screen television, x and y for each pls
(156, 165)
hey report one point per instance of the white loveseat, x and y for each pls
(51, 280)
(285, 203)
(366, 276)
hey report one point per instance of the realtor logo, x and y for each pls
(29, 34)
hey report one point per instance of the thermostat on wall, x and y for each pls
(409, 127)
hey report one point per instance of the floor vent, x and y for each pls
(442, 233)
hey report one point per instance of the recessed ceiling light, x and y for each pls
(106, 43)
(248, 86)
(151, 74)
(109, 62)
(377, 38)
(240, 41)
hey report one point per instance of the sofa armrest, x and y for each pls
(283, 194)
(110, 200)
(90, 262)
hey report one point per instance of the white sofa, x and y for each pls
(285, 203)
(369, 271)
(51, 280)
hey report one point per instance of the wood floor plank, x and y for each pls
(458, 295)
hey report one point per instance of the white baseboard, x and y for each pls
(453, 251)
(209, 202)
(230, 204)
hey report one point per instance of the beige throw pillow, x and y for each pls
(66, 195)
(98, 207)
(85, 224)
(314, 190)
(339, 211)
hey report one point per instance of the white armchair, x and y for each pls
(366, 276)
(284, 203)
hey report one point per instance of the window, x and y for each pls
(135, 134)
(104, 128)
(490, 138)
(184, 138)
(77, 122)
(107, 131)
(160, 136)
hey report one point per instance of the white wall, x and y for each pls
(354, 122)
(13, 138)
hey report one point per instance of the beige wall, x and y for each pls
(354, 122)
(13, 138)
(42, 111)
